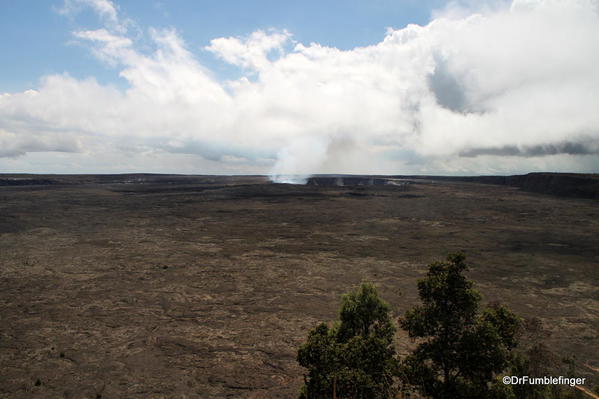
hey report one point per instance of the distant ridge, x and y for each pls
(561, 184)
(576, 185)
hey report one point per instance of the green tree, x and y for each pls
(461, 349)
(356, 357)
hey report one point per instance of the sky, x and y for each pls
(291, 89)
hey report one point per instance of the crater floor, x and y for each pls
(204, 287)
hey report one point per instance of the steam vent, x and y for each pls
(355, 181)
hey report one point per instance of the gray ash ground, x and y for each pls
(146, 286)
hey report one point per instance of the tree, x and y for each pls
(356, 357)
(461, 349)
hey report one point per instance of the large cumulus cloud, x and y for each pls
(511, 89)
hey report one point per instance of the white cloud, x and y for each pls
(507, 89)
(250, 52)
(105, 9)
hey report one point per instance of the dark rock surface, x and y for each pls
(153, 286)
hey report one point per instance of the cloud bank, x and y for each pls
(511, 89)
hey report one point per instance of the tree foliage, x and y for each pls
(461, 349)
(356, 357)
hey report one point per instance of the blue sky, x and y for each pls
(296, 88)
